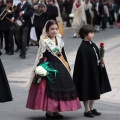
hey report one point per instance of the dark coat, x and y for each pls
(61, 5)
(39, 21)
(28, 13)
(97, 17)
(5, 24)
(52, 12)
(111, 17)
(68, 4)
(5, 93)
(90, 80)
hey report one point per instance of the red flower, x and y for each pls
(101, 44)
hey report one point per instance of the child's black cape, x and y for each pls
(90, 80)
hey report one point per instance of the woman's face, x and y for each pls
(53, 31)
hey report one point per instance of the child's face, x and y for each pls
(90, 36)
(53, 31)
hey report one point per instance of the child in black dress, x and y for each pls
(89, 77)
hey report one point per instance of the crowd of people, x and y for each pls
(52, 88)
(23, 22)
(94, 12)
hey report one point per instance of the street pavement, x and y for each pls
(18, 72)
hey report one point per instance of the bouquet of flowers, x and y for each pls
(44, 70)
(102, 52)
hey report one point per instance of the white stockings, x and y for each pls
(88, 105)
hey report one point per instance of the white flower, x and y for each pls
(40, 71)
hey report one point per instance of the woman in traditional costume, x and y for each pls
(79, 17)
(5, 92)
(54, 93)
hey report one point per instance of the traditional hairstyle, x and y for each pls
(49, 23)
(85, 30)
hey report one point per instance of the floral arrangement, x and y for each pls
(102, 52)
(44, 70)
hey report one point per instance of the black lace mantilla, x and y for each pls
(62, 96)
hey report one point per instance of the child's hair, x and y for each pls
(85, 30)
(49, 23)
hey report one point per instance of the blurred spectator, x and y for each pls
(68, 7)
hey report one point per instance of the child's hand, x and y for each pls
(102, 61)
(102, 64)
